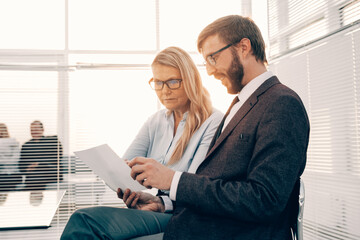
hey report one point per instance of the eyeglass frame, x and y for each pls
(165, 82)
(210, 58)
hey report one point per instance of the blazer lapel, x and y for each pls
(241, 113)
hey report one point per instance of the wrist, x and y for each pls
(161, 204)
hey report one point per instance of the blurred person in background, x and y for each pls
(9, 159)
(40, 158)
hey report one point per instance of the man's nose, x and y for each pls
(210, 69)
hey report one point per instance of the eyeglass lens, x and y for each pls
(172, 84)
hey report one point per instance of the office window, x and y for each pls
(40, 22)
(296, 23)
(177, 25)
(28, 96)
(304, 10)
(321, 63)
(349, 13)
(312, 31)
(112, 25)
(103, 109)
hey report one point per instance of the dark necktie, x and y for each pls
(218, 131)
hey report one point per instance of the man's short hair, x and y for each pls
(233, 28)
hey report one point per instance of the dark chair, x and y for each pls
(297, 228)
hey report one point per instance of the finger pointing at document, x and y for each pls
(150, 173)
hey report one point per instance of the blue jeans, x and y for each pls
(115, 223)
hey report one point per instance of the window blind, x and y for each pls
(316, 51)
(32, 155)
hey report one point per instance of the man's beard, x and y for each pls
(235, 74)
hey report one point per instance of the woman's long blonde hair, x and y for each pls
(200, 105)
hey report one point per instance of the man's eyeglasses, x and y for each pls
(171, 84)
(210, 58)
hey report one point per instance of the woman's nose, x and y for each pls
(166, 89)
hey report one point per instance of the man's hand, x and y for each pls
(151, 173)
(141, 200)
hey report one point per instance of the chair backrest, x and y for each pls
(297, 229)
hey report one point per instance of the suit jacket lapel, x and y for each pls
(241, 113)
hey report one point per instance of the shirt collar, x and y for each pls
(250, 88)
(168, 115)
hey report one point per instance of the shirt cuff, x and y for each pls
(167, 203)
(174, 185)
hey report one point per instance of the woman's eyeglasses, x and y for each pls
(171, 84)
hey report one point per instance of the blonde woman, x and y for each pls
(9, 158)
(177, 136)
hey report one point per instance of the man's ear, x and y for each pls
(244, 47)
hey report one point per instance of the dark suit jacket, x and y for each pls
(47, 151)
(244, 187)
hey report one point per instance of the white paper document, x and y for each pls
(110, 167)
